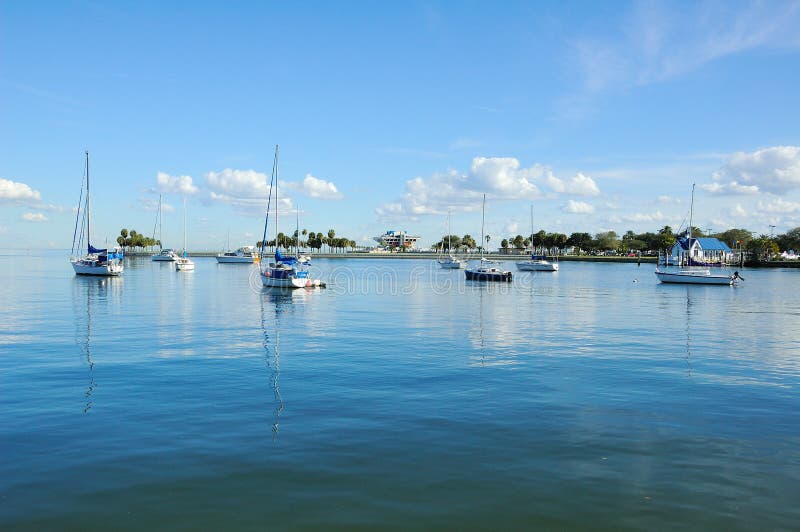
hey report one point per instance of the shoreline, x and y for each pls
(493, 256)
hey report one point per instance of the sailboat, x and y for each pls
(165, 255)
(692, 275)
(450, 262)
(284, 271)
(537, 263)
(184, 263)
(487, 270)
(95, 261)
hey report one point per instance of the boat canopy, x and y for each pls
(93, 249)
(285, 260)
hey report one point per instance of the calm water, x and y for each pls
(399, 397)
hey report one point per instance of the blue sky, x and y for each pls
(600, 115)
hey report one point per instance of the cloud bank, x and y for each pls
(13, 191)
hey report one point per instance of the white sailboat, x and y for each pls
(486, 270)
(165, 255)
(284, 271)
(537, 263)
(695, 275)
(450, 262)
(184, 263)
(96, 261)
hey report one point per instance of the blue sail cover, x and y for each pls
(115, 255)
(284, 260)
(93, 249)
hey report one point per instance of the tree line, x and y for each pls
(759, 246)
(135, 240)
(310, 240)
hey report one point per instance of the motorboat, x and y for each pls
(243, 255)
(537, 263)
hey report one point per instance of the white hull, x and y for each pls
(184, 265)
(163, 258)
(537, 266)
(234, 260)
(107, 269)
(293, 282)
(694, 277)
(452, 264)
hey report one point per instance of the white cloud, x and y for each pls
(656, 42)
(779, 206)
(667, 200)
(577, 207)
(50, 207)
(579, 185)
(641, 217)
(504, 177)
(501, 178)
(169, 184)
(33, 217)
(241, 188)
(512, 227)
(737, 211)
(151, 205)
(775, 170)
(315, 188)
(15, 191)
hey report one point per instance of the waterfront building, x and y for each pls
(397, 239)
(700, 252)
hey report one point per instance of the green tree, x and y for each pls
(468, 242)
(581, 241)
(762, 248)
(519, 242)
(789, 240)
(504, 243)
(607, 240)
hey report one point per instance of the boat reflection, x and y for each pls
(278, 307)
(88, 293)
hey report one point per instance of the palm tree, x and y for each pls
(331, 236)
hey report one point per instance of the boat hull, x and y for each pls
(537, 267)
(501, 277)
(452, 265)
(184, 265)
(162, 258)
(234, 260)
(694, 278)
(104, 270)
(284, 282)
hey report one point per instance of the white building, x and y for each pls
(397, 239)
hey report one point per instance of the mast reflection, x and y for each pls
(88, 290)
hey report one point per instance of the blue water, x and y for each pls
(399, 397)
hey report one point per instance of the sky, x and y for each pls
(595, 116)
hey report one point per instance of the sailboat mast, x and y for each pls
(184, 226)
(483, 220)
(276, 197)
(88, 207)
(531, 228)
(449, 244)
(691, 214)
(160, 238)
(297, 233)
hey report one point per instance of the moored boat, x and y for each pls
(694, 275)
(184, 263)
(486, 270)
(96, 261)
(284, 271)
(243, 255)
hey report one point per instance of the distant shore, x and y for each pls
(492, 256)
